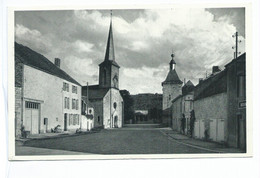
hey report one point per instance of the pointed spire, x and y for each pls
(110, 53)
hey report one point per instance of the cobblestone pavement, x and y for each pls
(115, 141)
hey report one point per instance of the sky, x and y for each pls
(144, 40)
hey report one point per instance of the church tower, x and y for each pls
(172, 85)
(109, 69)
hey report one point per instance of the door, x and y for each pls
(65, 122)
(116, 122)
(241, 132)
(31, 121)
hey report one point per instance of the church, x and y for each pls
(105, 97)
(172, 88)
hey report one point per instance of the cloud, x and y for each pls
(200, 38)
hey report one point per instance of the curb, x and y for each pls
(192, 145)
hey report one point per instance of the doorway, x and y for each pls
(65, 122)
(241, 132)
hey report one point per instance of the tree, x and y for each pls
(128, 105)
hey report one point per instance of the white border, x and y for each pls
(11, 95)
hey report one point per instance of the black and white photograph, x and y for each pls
(150, 81)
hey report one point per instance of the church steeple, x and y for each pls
(110, 53)
(109, 69)
(172, 63)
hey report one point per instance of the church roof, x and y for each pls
(172, 78)
(110, 52)
(38, 61)
(94, 92)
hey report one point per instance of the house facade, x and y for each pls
(182, 107)
(236, 96)
(210, 106)
(46, 96)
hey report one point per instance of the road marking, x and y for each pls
(190, 145)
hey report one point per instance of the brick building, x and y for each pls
(45, 95)
(105, 96)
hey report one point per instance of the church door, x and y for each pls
(116, 122)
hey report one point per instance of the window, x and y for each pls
(70, 119)
(241, 86)
(77, 104)
(66, 103)
(73, 104)
(105, 77)
(31, 105)
(74, 89)
(65, 86)
(75, 119)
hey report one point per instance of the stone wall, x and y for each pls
(211, 115)
(18, 111)
(170, 89)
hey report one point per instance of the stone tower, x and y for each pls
(172, 85)
(109, 69)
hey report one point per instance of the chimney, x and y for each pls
(57, 62)
(215, 69)
(200, 80)
(184, 81)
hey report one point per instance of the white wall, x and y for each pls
(47, 89)
(109, 109)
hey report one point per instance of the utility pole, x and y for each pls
(236, 46)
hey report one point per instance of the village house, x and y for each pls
(182, 107)
(46, 97)
(210, 106)
(105, 97)
(220, 105)
(87, 115)
(236, 96)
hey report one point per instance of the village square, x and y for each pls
(55, 114)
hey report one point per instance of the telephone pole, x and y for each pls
(236, 46)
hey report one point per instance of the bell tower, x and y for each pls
(171, 85)
(109, 69)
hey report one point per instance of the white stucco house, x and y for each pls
(45, 95)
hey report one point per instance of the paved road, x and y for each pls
(117, 141)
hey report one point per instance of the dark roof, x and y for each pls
(241, 57)
(94, 92)
(187, 88)
(189, 83)
(172, 77)
(109, 62)
(110, 53)
(213, 85)
(38, 61)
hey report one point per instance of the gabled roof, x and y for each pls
(189, 83)
(172, 78)
(211, 86)
(94, 92)
(38, 61)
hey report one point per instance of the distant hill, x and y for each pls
(146, 101)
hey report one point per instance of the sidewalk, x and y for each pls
(21, 141)
(201, 144)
